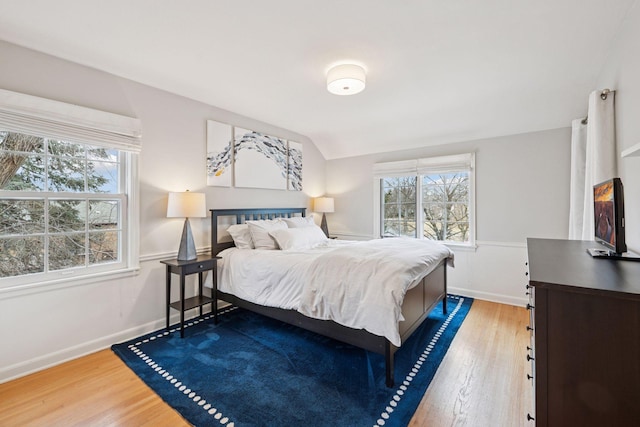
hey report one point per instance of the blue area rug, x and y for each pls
(249, 370)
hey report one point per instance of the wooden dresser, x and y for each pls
(585, 326)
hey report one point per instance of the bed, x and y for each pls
(415, 305)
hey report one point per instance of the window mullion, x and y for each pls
(86, 207)
(86, 167)
(381, 207)
(86, 227)
(46, 164)
(46, 206)
(46, 235)
(419, 209)
(445, 219)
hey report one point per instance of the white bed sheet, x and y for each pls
(357, 284)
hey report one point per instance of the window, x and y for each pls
(429, 198)
(399, 206)
(67, 196)
(445, 206)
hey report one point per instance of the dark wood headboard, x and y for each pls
(243, 215)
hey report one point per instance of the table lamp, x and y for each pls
(186, 205)
(324, 205)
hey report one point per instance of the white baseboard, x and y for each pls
(36, 364)
(487, 296)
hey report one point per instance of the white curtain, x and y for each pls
(578, 163)
(593, 160)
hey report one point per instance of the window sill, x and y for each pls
(464, 247)
(18, 290)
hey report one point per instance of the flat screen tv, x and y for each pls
(608, 209)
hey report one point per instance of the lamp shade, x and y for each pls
(346, 79)
(323, 204)
(186, 205)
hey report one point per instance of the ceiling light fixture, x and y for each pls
(346, 79)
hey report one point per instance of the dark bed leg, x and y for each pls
(388, 361)
(444, 301)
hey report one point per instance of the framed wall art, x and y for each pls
(294, 166)
(219, 154)
(238, 157)
(260, 160)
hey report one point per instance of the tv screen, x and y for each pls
(608, 208)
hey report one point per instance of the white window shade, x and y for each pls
(445, 164)
(44, 117)
(401, 168)
(440, 164)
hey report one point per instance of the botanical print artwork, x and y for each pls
(219, 137)
(294, 174)
(260, 161)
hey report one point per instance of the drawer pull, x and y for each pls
(526, 273)
(527, 286)
(529, 328)
(529, 348)
(529, 377)
(530, 307)
(529, 358)
(530, 418)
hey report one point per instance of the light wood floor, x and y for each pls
(481, 382)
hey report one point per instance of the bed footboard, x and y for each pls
(422, 298)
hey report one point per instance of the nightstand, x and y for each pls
(199, 265)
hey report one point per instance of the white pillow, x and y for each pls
(260, 232)
(241, 236)
(298, 238)
(299, 221)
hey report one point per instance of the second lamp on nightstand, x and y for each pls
(323, 205)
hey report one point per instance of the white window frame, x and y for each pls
(57, 120)
(417, 168)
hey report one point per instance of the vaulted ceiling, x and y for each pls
(437, 71)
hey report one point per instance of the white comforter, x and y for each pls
(357, 284)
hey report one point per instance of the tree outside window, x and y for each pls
(445, 206)
(435, 206)
(60, 205)
(399, 206)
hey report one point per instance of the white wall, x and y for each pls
(46, 327)
(621, 72)
(522, 190)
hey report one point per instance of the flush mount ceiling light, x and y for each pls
(346, 79)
